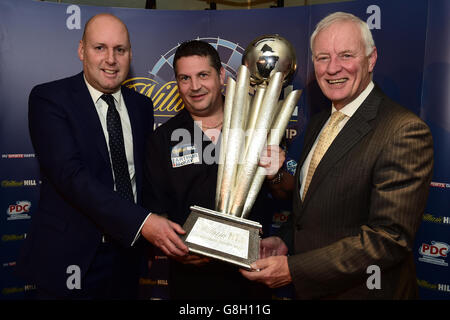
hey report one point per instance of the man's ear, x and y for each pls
(222, 76)
(81, 50)
(373, 59)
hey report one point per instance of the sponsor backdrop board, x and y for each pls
(38, 43)
(433, 239)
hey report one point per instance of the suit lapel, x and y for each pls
(85, 107)
(312, 132)
(354, 130)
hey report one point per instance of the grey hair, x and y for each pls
(340, 17)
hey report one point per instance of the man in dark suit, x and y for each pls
(361, 184)
(89, 134)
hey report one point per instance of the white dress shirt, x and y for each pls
(349, 110)
(102, 108)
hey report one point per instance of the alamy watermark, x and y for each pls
(374, 280)
(74, 279)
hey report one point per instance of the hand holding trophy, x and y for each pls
(250, 123)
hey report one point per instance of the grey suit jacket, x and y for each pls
(363, 206)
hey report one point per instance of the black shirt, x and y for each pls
(182, 166)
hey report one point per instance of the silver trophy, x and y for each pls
(253, 118)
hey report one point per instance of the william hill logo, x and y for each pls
(165, 97)
(433, 286)
(440, 220)
(20, 183)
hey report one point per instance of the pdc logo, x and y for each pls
(434, 253)
(19, 210)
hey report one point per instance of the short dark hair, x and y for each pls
(197, 48)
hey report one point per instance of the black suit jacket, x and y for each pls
(77, 200)
(363, 206)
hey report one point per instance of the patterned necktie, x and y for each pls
(326, 138)
(117, 150)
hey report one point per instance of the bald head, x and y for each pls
(101, 18)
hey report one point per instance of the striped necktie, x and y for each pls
(326, 138)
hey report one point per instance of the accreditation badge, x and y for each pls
(184, 155)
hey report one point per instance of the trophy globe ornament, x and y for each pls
(269, 54)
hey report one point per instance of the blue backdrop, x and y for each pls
(38, 43)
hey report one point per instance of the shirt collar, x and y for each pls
(350, 109)
(95, 94)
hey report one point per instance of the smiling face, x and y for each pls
(199, 85)
(106, 53)
(341, 66)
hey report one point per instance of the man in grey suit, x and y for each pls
(361, 184)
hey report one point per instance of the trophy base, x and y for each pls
(224, 237)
